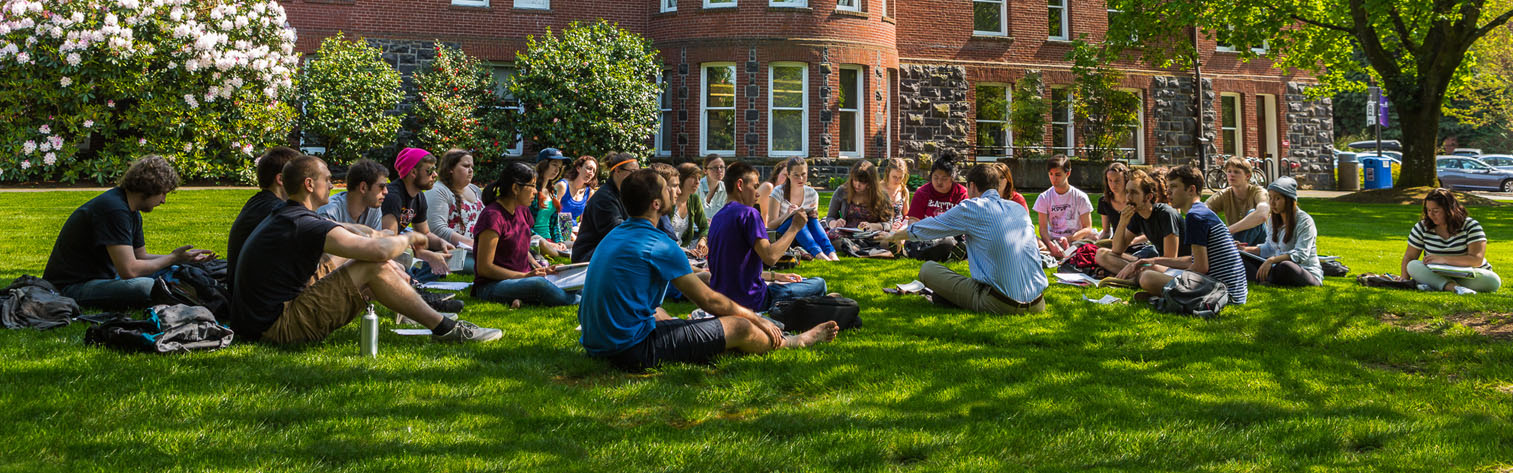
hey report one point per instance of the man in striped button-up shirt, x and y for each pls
(1006, 274)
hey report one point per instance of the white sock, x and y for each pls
(1463, 290)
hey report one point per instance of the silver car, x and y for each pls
(1457, 172)
(1500, 161)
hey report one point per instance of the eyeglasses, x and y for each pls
(716, 168)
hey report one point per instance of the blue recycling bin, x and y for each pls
(1377, 173)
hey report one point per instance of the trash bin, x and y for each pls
(1377, 173)
(1348, 172)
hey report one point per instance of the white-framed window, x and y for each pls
(1132, 146)
(787, 109)
(719, 3)
(1230, 125)
(717, 109)
(989, 18)
(1264, 48)
(848, 5)
(535, 4)
(664, 138)
(853, 99)
(1063, 134)
(470, 3)
(502, 73)
(1059, 22)
(882, 7)
(994, 138)
(668, 5)
(788, 3)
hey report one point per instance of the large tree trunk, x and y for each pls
(1420, 126)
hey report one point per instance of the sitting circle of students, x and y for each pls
(302, 263)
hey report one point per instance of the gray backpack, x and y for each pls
(1192, 294)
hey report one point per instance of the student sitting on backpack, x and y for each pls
(1001, 251)
(1453, 241)
(1214, 254)
(1144, 216)
(621, 313)
(100, 257)
(1291, 247)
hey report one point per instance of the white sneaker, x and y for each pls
(1462, 290)
(1424, 287)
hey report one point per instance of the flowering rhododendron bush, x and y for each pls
(88, 85)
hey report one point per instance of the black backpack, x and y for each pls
(167, 329)
(193, 285)
(800, 315)
(1193, 294)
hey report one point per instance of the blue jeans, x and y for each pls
(811, 238)
(533, 290)
(112, 293)
(809, 287)
(423, 272)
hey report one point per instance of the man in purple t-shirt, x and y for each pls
(739, 249)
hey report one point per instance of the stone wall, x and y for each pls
(1310, 132)
(1175, 122)
(933, 107)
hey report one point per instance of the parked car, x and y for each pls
(1460, 172)
(1472, 152)
(1500, 161)
(1387, 145)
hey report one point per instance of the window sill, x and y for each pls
(851, 13)
(791, 9)
(992, 37)
(332, 2)
(537, 11)
(1059, 40)
(889, 19)
(730, 7)
(472, 8)
(666, 13)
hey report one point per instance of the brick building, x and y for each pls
(865, 78)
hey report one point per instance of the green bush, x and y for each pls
(457, 107)
(92, 84)
(1027, 116)
(348, 91)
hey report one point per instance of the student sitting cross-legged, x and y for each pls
(1066, 214)
(301, 277)
(1454, 243)
(794, 197)
(100, 257)
(1001, 252)
(739, 248)
(1243, 205)
(405, 208)
(621, 313)
(1214, 254)
(1291, 247)
(1143, 215)
(505, 271)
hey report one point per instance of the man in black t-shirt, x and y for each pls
(100, 258)
(404, 207)
(1144, 216)
(604, 210)
(301, 277)
(260, 205)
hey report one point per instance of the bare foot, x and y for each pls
(821, 333)
(833, 294)
(515, 304)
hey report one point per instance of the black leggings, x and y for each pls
(1286, 273)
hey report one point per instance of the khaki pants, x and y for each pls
(329, 302)
(970, 294)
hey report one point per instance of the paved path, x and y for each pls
(1318, 194)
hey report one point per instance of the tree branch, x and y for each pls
(1371, 44)
(1401, 28)
(1321, 24)
(1496, 22)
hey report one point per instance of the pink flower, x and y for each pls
(26, 164)
(89, 123)
(110, 103)
(45, 129)
(50, 159)
(142, 142)
(29, 147)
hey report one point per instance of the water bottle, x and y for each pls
(370, 333)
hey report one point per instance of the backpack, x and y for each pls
(1085, 259)
(805, 313)
(1192, 294)
(193, 285)
(1334, 268)
(167, 329)
(939, 250)
(33, 302)
(1391, 281)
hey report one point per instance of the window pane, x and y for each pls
(1229, 142)
(787, 130)
(848, 88)
(721, 130)
(1060, 106)
(721, 86)
(501, 77)
(848, 132)
(1229, 111)
(846, 3)
(991, 140)
(1055, 16)
(787, 87)
(662, 132)
(1058, 136)
(987, 16)
(992, 104)
(666, 96)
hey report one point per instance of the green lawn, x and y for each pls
(1297, 380)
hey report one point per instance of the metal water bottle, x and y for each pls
(370, 333)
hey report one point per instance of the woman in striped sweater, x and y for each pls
(1453, 246)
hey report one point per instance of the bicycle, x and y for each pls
(1217, 179)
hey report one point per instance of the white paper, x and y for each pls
(1076, 279)
(1105, 300)
(570, 279)
(465, 246)
(447, 285)
(912, 287)
(412, 331)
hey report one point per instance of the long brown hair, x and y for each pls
(544, 182)
(876, 201)
(1288, 218)
(1151, 186)
(1119, 167)
(1455, 213)
(1008, 178)
(449, 162)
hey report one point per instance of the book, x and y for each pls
(1452, 271)
(570, 277)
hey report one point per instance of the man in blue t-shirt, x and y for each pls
(621, 313)
(1214, 254)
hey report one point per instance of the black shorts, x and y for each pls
(677, 340)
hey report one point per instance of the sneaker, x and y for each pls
(442, 302)
(1424, 287)
(1464, 291)
(467, 332)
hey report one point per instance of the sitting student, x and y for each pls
(860, 204)
(453, 207)
(712, 186)
(795, 196)
(367, 185)
(941, 194)
(505, 271)
(100, 258)
(1143, 216)
(1065, 213)
(1111, 204)
(1291, 249)
(1452, 239)
(546, 205)
(270, 196)
(1001, 253)
(404, 208)
(895, 185)
(738, 249)
(578, 186)
(604, 210)
(621, 314)
(1214, 254)
(301, 277)
(688, 220)
(1243, 205)
(1007, 189)
(768, 202)
(670, 174)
